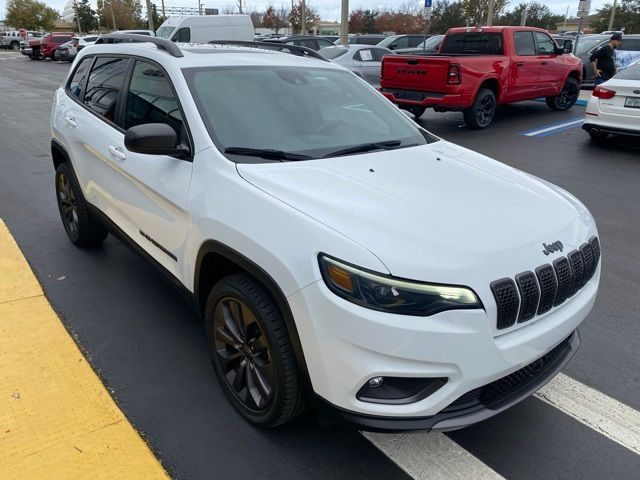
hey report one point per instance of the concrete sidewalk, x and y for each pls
(57, 420)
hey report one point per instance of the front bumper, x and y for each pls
(346, 345)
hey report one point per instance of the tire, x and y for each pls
(598, 135)
(15, 46)
(54, 56)
(238, 308)
(416, 111)
(567, 98)
(82, 228)
(481, 113)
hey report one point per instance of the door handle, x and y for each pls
(519, 64)
(116, 152)
(71, 121)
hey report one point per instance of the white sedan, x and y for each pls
(614, 106)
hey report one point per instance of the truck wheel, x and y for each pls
(54, 56)
(568, 96)
(416, 111)
(15, 46)
(251, 352)
(82, 228)
(481, 113)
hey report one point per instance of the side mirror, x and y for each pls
(393, 46)
(567, 47)
(153, 139)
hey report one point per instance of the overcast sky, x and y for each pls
(329, 9)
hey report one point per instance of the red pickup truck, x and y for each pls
(46, 46)
(477, 69)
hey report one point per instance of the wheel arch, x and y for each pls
(59, 154)
(492, 84)
(216, 261)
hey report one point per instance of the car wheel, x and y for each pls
(568, 96)
(54, 56)
(416, 111)
(598, 135)
(251, 352)
(15, 46)
(481, 113)
(82, 228)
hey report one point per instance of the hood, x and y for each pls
(433, 213)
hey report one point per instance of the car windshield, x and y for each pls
(165, 32)
(388, 41)
(333, 52)
(632, 72)
(431, 43)
(587, 43)
(301, 111)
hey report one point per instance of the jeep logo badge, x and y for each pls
(552, 247)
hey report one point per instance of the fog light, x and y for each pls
(376, 382)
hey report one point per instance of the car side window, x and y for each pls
(546, 46)
(524, 43)
(150, 99)
(630, 44)
(183, 35)
(402, 42)
(104, 86)
(378, 53)
(363, 55)
(79, 76)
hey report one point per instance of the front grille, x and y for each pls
(549, 287)
(492, 394)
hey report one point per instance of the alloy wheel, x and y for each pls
(242, 354)
(485, 110)
(68, 207)
(568, 96)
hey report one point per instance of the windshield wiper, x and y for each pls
(268, 153)
(366, 147)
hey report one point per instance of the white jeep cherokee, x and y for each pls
(339, 253)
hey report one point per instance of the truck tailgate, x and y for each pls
(415, 72)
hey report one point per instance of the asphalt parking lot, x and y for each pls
(149, 348)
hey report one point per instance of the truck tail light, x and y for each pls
(453, 75)
(604, 93)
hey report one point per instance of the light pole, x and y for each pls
(613, 14)
(150, 16)
(490, 13)
(303, 19)
(75, 7)
(344, 23)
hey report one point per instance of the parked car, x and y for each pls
(45, 47)
(614, 106)
(628, 51)
(331, 38)
(338, 252)
(397, 42)
(149, 33)
(477, 69)
(12, 39)
(363, 60)
(431, 45)
(367, 39)
(205, 28)
(68, 51)
(309, 41)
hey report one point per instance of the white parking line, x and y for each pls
(596, 410)
(431, 456)
(554, 127)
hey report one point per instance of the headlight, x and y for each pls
(393, 295)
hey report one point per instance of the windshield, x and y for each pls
(431, 43)
(165, 32)
(303, 111)
(388, 41)
(587, 43)
(333, 52)
(479, 43)
(632, 72)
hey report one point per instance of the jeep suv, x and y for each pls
(339, 254)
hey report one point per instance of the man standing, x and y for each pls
(604, 60)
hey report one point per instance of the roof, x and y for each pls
(493, 29)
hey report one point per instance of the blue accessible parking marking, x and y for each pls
(553, 128)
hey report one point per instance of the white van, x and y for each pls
(204, 28)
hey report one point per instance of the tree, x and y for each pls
(447, 15)
(399, 22)
(295, 17)
(256, 18)
(627, 16)
(357, 21)
(477, 10)
(538, 15)
(31, 15)
(86, 15)
(276, 18)
(127, 14)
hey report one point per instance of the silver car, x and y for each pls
(363, 60)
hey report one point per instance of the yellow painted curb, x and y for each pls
(57, 420)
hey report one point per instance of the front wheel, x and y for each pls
(481, 113)
(54, 56)
(567, 98)
(251, 351)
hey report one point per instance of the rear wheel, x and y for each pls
(567, 97)
(251, 352)
(54, 56)
(414, 110)
(481, 113)
(82, 228)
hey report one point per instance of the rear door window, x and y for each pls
(183, 35)
(104, 86)
(524, 43)
(478, 43)
(79, 77)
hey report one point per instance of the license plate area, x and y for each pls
(632, 102)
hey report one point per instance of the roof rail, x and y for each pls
(162, 43)
(279, 47)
